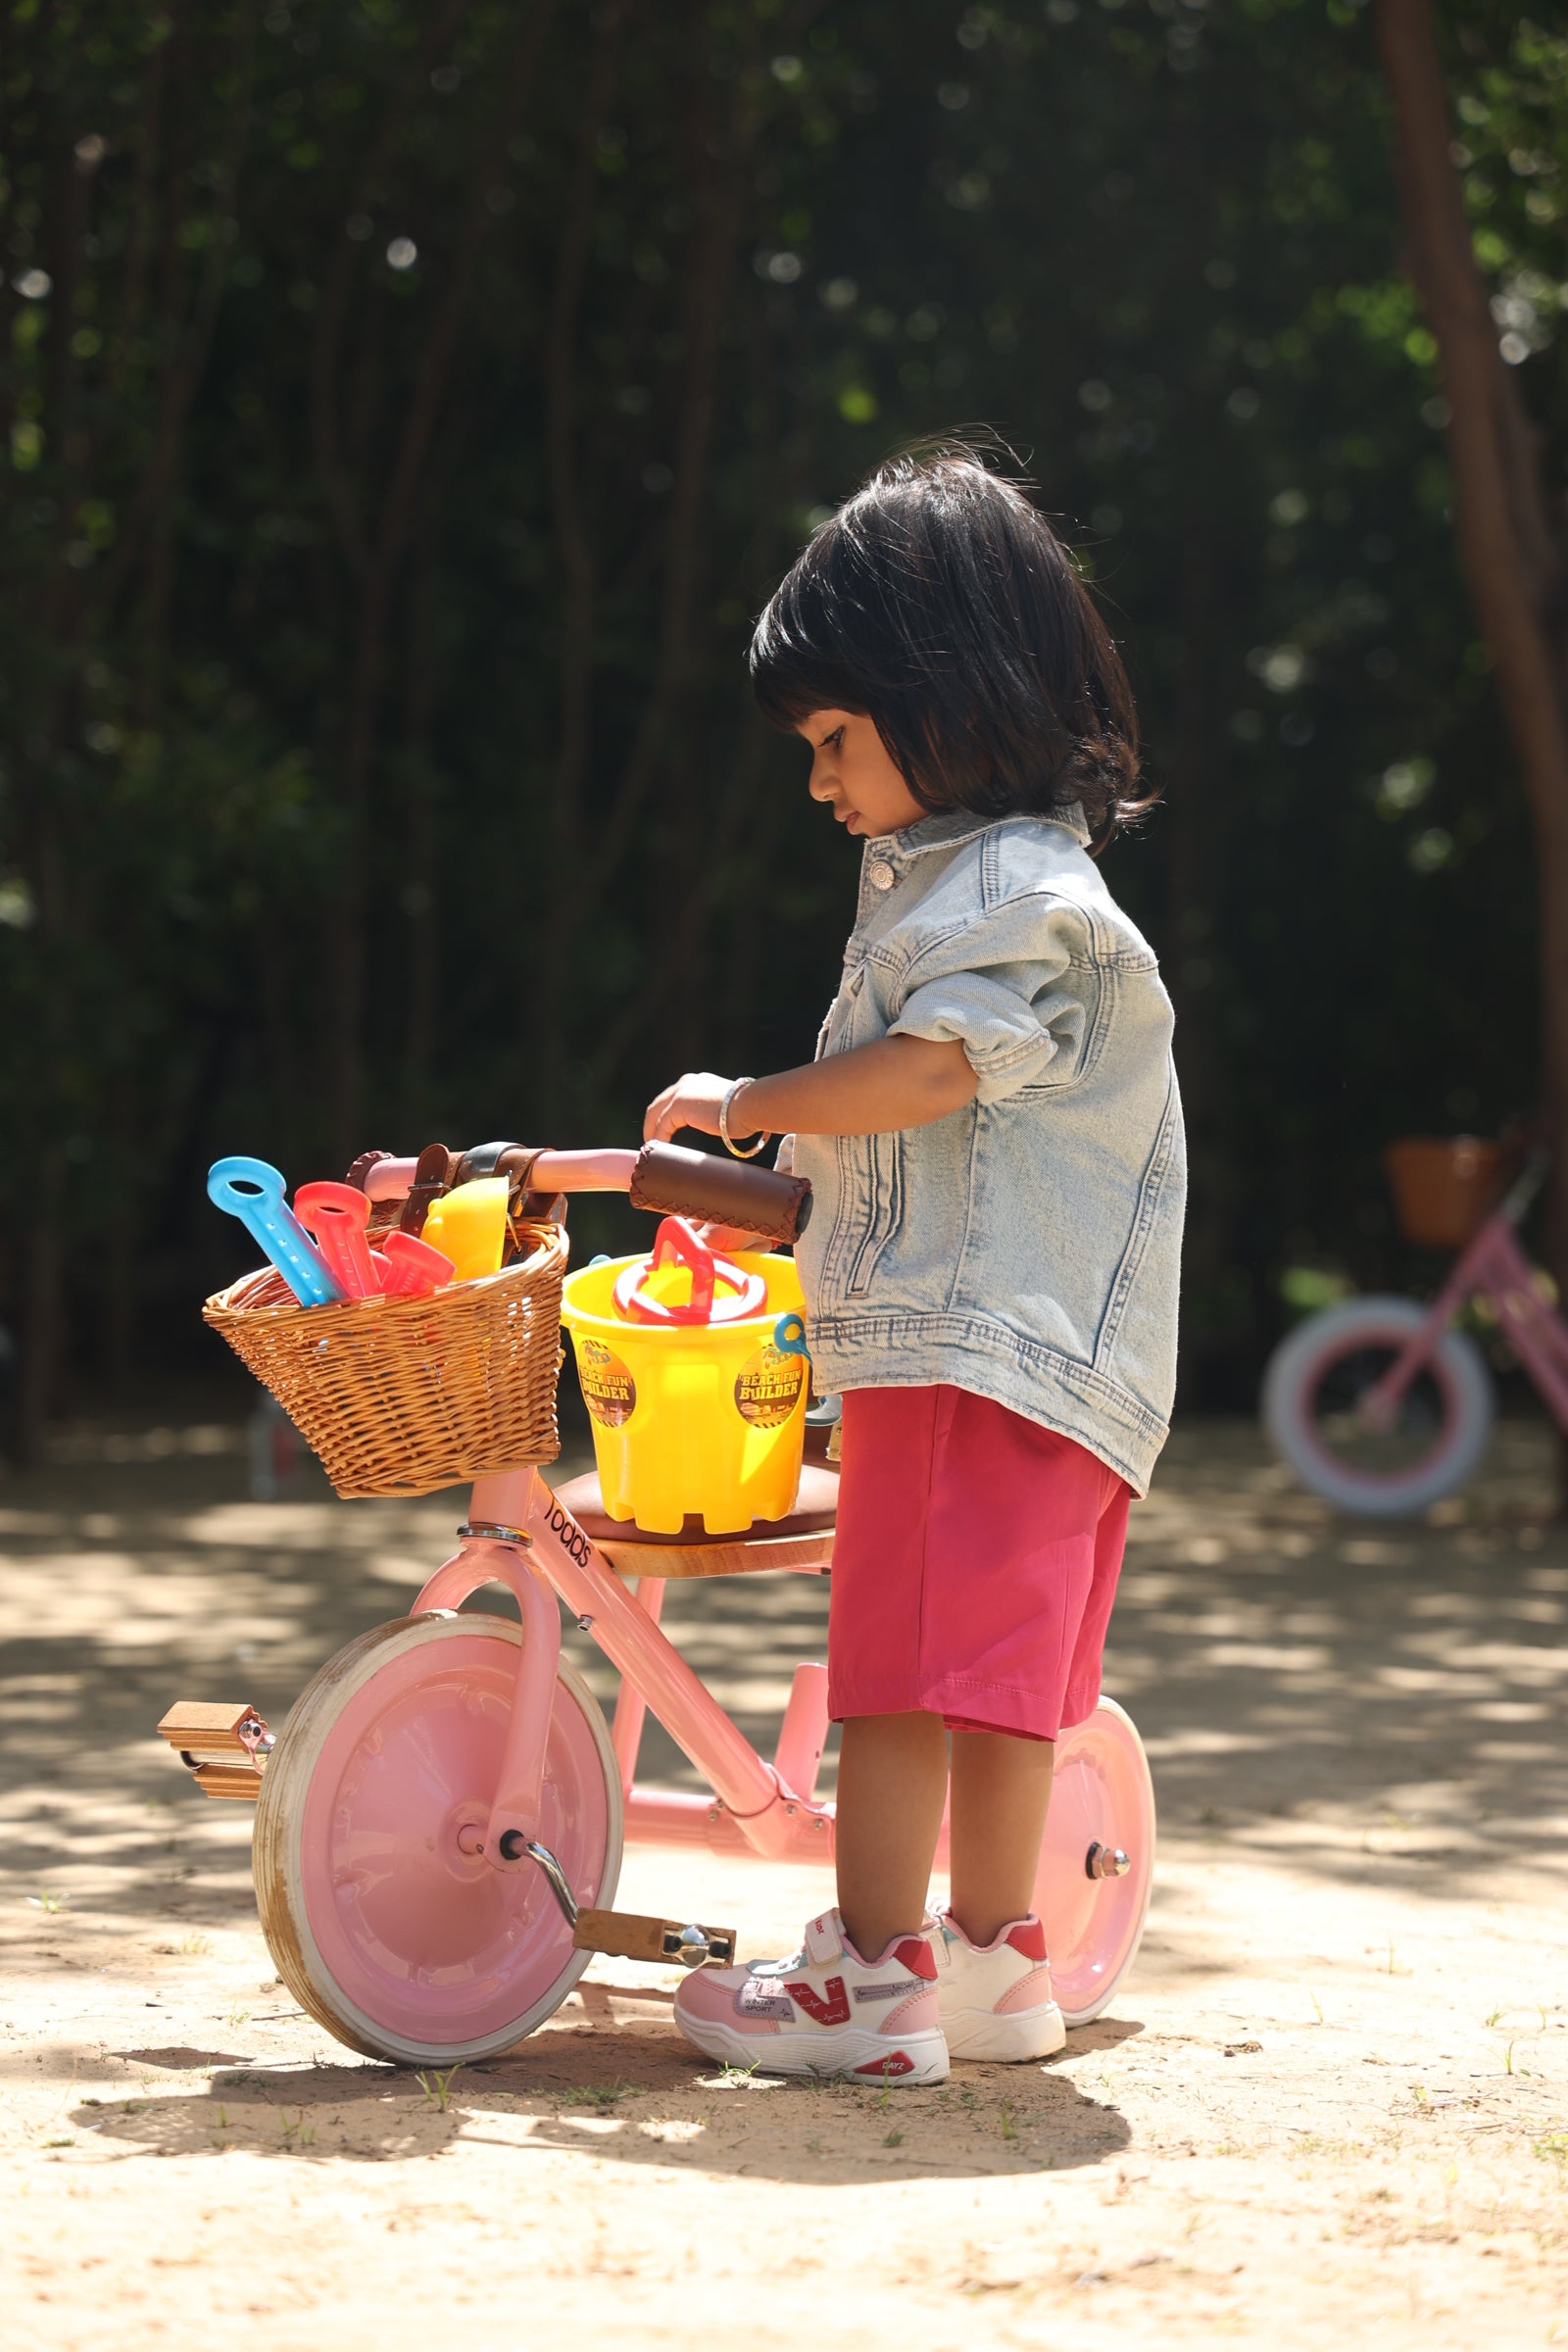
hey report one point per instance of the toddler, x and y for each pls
(994, 1136)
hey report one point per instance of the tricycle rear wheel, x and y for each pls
(1102, 1796)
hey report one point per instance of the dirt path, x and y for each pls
(1331, 2106)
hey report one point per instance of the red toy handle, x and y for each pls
(411, 1267)
(676, 1239)
(334, 1215)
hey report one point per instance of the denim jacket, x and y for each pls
(1026, 1247)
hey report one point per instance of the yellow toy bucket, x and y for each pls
(691, 1420)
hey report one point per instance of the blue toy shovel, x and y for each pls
(789, 1334)
(253, 1191)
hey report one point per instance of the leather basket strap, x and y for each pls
(432, 1176)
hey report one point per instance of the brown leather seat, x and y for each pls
(815, 1508)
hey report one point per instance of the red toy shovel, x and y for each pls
(334, 1215)
(410, 1266)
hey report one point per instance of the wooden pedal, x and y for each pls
(631, 1936)
(242, 1781)
(222, 1745)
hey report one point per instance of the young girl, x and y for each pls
(994, 1138)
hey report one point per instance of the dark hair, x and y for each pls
(940, 601)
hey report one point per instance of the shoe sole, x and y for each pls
(863, 2057)
(981, 2035)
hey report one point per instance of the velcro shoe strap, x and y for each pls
(824, 1938)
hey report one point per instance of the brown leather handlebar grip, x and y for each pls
(728, 1192)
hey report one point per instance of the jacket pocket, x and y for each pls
(879, 1193)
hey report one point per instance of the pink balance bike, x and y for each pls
(440, 1820)
(1377, 1403)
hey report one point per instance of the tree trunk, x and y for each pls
(1514, 560)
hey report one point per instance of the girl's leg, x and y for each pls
(1000, 1793)
(892, 1779)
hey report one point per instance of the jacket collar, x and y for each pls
(958, 825)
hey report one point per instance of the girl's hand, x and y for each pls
(692, 1101)
(728, 1238)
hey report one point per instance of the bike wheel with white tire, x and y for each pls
(385, 1924)
(1101, 1816)
(1312, 1393)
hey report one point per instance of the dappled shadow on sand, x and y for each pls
(1303, 1681)
(1343, 1688)
(643, 2099)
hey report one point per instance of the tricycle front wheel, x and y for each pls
(1314, 1411)
(385, 1923)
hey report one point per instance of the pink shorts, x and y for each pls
(974, 1565)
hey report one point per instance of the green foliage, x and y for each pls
(408, 408)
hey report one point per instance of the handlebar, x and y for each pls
(551, 1172)
(665, 1177)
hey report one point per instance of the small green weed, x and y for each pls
(437, 2087)
(602, 2094)
(1554, 2149)
(893, 2140)
(237, 2016)
(300, 2134)
(195, 1947)
(814, 2146)
(1005, 2121)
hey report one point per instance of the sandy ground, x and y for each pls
(1329, 2107)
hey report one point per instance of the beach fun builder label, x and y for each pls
(768, 1384)
(607, 1387)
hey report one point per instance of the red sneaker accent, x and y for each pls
(834, 2011)
(1029, 1938)
(896, 2062)
(920, 1959)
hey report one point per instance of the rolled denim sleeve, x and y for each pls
(1003, 990)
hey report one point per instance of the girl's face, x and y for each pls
(854, 775)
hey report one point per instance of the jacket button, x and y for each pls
(881, 874)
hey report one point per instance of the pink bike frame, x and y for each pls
(519, 1535)
(1495, 1267)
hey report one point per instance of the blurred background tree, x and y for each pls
(409, 405)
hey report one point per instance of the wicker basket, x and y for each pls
(1444, 1186)
(406, 1395)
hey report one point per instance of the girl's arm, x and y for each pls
(872, 1090)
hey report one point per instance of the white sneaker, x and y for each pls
(824, 2011)
(994, 1999)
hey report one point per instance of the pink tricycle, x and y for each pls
(440, 1820)
(1378, 1403)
